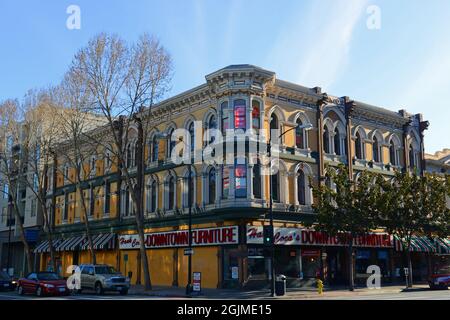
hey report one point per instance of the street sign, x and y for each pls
(189, 252)
(197, 282)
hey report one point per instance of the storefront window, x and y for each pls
(310, 263)
(256, 264)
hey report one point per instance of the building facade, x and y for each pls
(230, 199)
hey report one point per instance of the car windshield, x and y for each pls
(48, 276)
(105, 270)
(4, 275)
(444, 270)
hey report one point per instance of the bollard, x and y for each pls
(319, 286)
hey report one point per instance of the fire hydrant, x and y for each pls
(319, 286)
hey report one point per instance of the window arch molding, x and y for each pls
(276, 110)
(169, 143)
(363, 137)
(303, 117)
(307, 173)
(187, 124)
(153, 150)
(394, 144)
(375, 136)
(328, 131)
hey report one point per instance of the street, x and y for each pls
(396, 293)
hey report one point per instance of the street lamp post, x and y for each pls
(272, 242)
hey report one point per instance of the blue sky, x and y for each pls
(404, 64)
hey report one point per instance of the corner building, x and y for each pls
(230, 201)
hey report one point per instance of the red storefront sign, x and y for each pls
(297, 236)
(200, 237)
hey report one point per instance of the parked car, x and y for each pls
(103, 278)
(6, 282)
(43, 283)
(440, 279)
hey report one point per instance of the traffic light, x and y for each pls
(268, 235)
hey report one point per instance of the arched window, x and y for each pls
(225, 117)
(257, 180)
(171, 193)
(129, 156)
(127, 202)
(170, 142)
(212, 185)
(358, 146)
(210, 125)
(274, 124)
(301, 188)
(256, 114)
(337, 142)
(275, 186)
(154, 192)
(376, 150)
(300, 135)
(135, 154)
(151, 196)
(154, 149)
(392, 153)
(240, 173)
(192, 135)
(240, 117)
(326, 140)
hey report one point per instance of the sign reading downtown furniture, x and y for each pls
(297, 236)
(180, 238)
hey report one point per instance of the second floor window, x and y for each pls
(212, 185)
(392, 153)
(225, 117)
(225, 182)
(300, 135)
(256, 114)
(154, 149)
(240, 118)
(376, 150)
(358, 146)
(326, 140)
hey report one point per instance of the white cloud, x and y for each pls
(316, 45)
(422, 93)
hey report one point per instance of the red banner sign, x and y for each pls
(200, 237)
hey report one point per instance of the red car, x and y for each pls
(440, 279)
(43, 283)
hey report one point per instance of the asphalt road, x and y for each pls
(420, 294)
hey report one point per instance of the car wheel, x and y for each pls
(20, 290)
(124, 292)
(39, 291)
(98, 288)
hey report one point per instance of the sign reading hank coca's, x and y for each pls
(297, 236)
(180, 238)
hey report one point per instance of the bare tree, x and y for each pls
(76, 121)
(123, 80)
(11, 163)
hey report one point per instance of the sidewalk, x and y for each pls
(292, 293)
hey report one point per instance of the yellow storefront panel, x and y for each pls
(205, 261)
